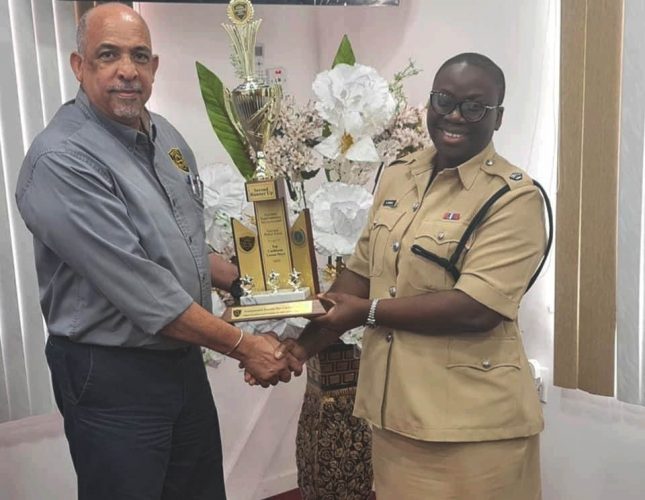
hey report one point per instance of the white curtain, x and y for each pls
(36, 37)
(630, 367)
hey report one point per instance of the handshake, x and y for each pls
(267, 360)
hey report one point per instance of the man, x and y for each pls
(444, 379)
(112, 196)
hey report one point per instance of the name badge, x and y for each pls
(390, 203)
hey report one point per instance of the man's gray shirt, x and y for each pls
(118, 227)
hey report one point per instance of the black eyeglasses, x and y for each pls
(471, 111)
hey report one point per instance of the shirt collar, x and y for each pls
(468, 171)
(127, 135)
(421, 164)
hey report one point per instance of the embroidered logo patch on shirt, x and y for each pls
(178, 159)
(389, 203)
(451, 216)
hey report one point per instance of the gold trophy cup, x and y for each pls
(277, 263)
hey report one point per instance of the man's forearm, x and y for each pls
(255, 352)
(197, 326)
(223, 273)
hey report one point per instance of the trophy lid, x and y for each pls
(240, 11)
(243, 34)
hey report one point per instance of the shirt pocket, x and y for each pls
(195, 188)
(434, 240)
(483, 353)
(484, 376)
(381, 237)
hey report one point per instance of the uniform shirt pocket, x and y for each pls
(484, 378)
(381, 237)
(439, 238)
(483, 353)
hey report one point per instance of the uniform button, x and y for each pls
(416, 205)
(489, 162)
(392, 291)
(396, 246)
(388, 337)
(441, 236)
(486, 363)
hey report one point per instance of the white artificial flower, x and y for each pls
(357, 104)
(354, 337)
(224, 197)
(339, 212)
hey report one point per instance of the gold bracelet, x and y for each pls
(237, 344)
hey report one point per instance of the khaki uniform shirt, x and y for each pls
(452, 387)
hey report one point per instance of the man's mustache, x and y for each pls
(135, 87)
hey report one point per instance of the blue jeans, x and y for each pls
(141, 424)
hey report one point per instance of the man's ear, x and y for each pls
(155, 64)
(500, 115)
(76, 62)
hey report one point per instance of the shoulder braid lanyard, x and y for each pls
(450, 264)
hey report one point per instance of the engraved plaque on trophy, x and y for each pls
(277, 263)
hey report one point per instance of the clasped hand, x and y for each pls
(344, 312)
(269, 361)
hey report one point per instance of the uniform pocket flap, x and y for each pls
(440, 233)
(483, 354)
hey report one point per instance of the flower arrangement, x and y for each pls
(358, 124)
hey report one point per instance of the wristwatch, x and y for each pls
(371, 315)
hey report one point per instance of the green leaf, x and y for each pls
(213, 95)
(345, 54)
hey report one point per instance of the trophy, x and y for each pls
(277, 264)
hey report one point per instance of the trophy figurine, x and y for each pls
(294, 279)
(269, 256)
(247, 284)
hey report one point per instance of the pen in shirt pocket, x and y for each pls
(196, 185)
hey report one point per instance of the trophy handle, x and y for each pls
(232, 115)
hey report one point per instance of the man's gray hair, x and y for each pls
(81, 32)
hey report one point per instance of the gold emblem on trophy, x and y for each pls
(272, 257)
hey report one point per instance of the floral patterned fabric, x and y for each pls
(333, 448)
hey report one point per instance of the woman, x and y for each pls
(444, 380)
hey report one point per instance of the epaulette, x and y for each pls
(513, 176)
